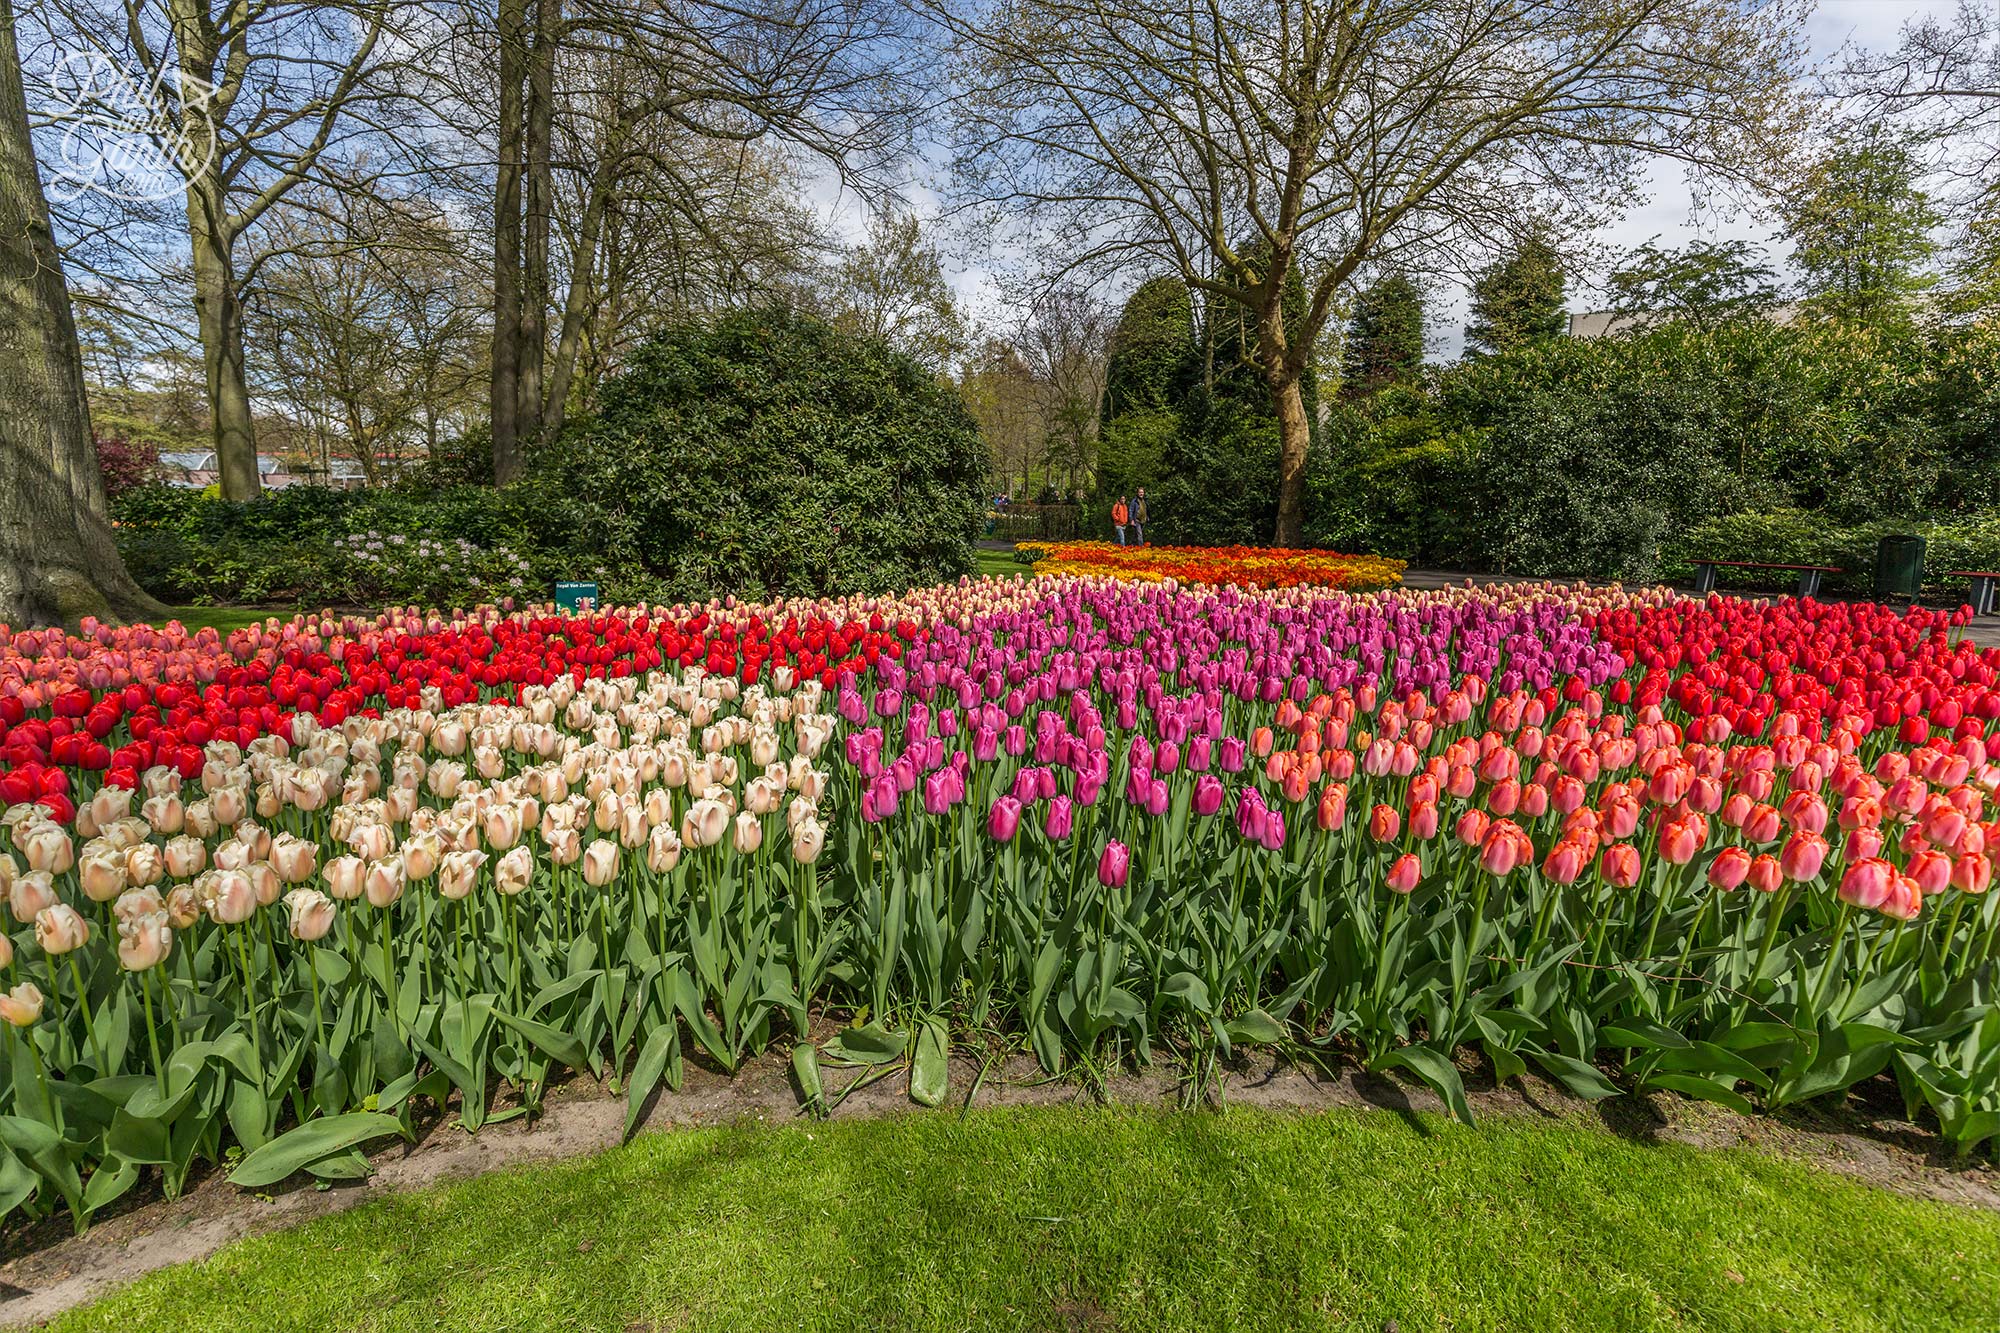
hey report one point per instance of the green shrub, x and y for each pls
(769, 455)
(1794, 537)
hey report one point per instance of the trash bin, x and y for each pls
(1899, 568)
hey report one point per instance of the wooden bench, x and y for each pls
(1984, 582)
(1809, 575)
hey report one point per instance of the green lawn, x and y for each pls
(997, 562)
(224, 618)
(1090, 1219)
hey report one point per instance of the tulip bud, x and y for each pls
(1405, 873)
(514, 872)
(807, 841)
(1114, 865)
(308, 914)
(22, 1005)
(144, 941)
(58, 929)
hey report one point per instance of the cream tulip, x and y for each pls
(58, 929)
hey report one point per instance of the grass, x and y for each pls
(1092, 1219)
(224, 618)
(985, 561)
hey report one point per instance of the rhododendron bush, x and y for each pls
(269, 891)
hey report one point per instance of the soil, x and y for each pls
(47, 1272)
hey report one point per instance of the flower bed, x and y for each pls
(1243, 566)
(271, 888)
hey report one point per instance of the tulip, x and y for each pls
(1404, 873)
(1971, 873)
(1208, 795)
(1003, 819)
(101, 873)
(1931, 870)
(1566, 861)
(384, 882)
(1060, 820)
(514, 871)
(58, 929)
(1679, 842)
(144, 941)
(1619, 865)
(1471, 828)
(1765, 873)
(1384, 824)
(704, 824)
(1867, 884)
(22, 1005)
(1802, 857)
(293, 858)
(1114, 865)
(458, 872)
(1729, 869)
(807, 841)
(230, 898)
(600, 858)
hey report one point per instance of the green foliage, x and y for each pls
(1518, 301)
(1385, 337)
(1592, 456)
(768, 455)
(311, 546)
(1133, 448)
(1221, 483)
(1796, 537)
(1860, 227)
(1152, 351)
(1704, 284)
(1393, 481)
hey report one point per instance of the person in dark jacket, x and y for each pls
(1139, 518)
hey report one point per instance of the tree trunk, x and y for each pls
(582, 282)
(219, 316)
(60, 562)
(538, 209)
(1294, 438)
(505, 397)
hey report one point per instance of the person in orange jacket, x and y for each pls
(1119, 516)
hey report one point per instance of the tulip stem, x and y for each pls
(250, 991)
(389, 973)
(1779, 905)
(104, 1069)
(153, 1031)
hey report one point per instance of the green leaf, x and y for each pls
(1435, 1070)
(112, 1178)
(659, 1058)
(311, 1142)
(930, 1070)
(805, 1068)
(1506, 1064)
(1188, 988)
(1255, 1028)
(1582, 1080)
(1643, 1033)
(867, 1045)
(558, 1045)
(1707, 1089)
(341, 1166)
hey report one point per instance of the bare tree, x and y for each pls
(1945, 77)
(892, 288)
(1252, 143)
(367, 325)
(60, 563)
(1065, 342)
(829, 79)
(261, 98)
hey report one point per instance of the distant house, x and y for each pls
(197, 470)
(1605, 323)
